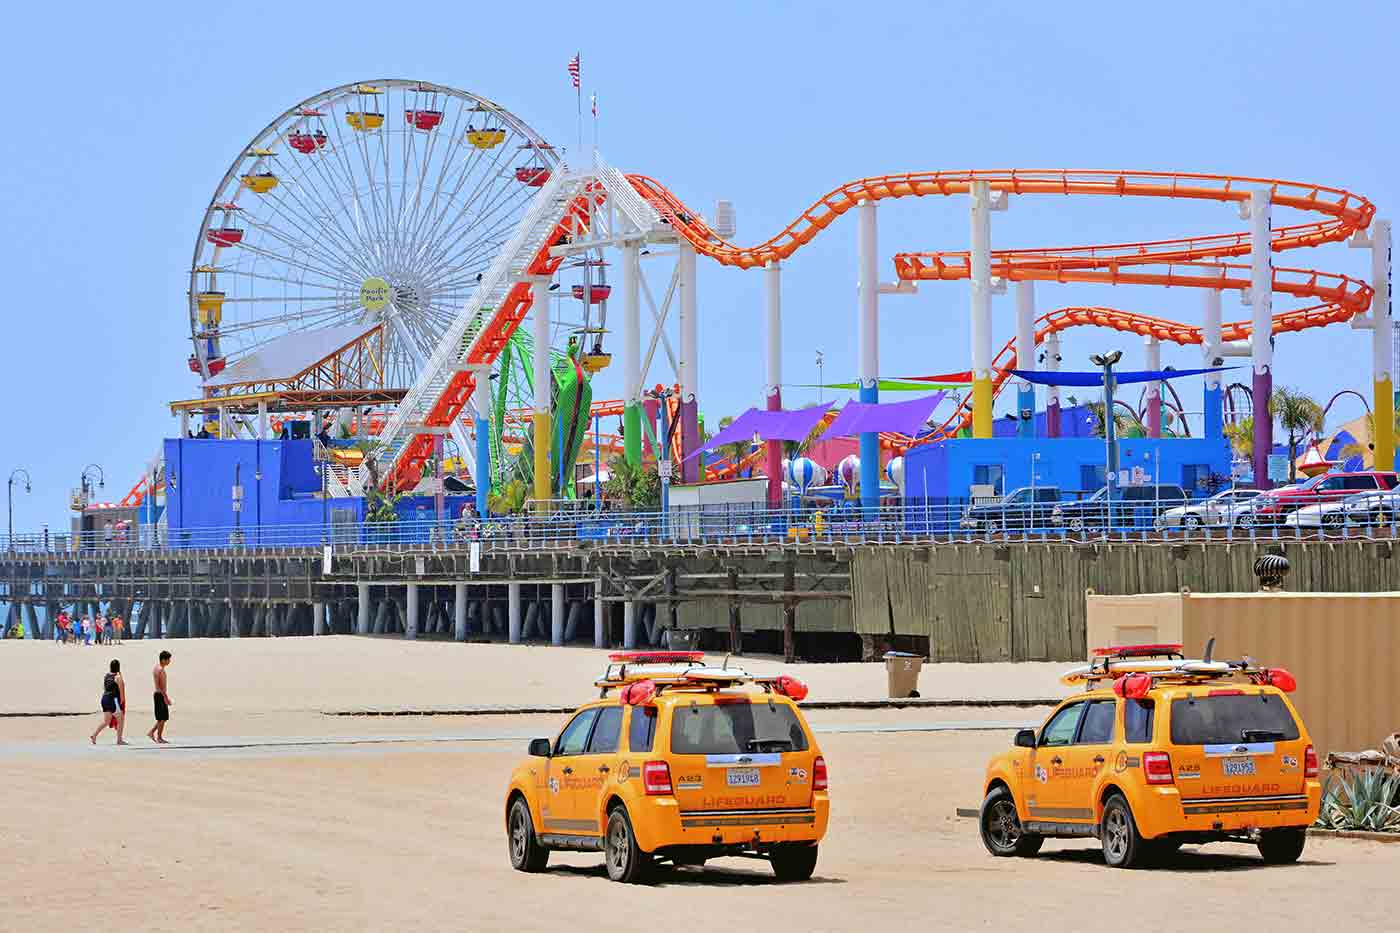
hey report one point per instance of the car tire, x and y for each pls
(1332, 520)
(1001, 827)
(1076, 524)
(1245, 521)
(625, 860)
(526, 853)
(793, 861)
(1192, 522)
(1123, 845)
(1282, 846)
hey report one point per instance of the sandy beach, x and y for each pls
(268, 814)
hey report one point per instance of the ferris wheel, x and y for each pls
(380, 202)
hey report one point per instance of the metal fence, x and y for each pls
(912, 520)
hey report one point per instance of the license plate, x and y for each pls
(743, 777)
(1238, 767)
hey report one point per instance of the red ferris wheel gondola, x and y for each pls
(306, 143)
(423, 119)
(532, 175)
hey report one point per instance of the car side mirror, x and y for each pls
(539, 748)
(1025, 738)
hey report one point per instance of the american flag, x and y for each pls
(573, 70)
(594, 100)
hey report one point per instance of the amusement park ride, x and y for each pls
(372, 254)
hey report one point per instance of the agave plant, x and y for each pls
(1364, 799)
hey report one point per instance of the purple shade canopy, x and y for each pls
(905, 418)
(777, 425)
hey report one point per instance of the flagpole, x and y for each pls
(578, 98)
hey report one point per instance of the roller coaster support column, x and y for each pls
(481, 396)
(1382, 362)
(632, 352)
(1152, 348)
(980, 273)
(1052, 393)
(1025, 357)
(540, 308)
(773, 389)
(1261, 299)
(1211, 356)
(690, 368)
(868, 291)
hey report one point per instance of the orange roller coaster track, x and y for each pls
(1198, 262)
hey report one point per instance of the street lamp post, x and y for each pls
(1110, 432)
(86, 489)
(10, 500)
(821, 382)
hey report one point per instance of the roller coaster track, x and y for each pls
(1199, 262)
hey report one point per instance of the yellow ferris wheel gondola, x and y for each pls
(211, 308)
(260, 182)
(366, 120)
(486, 138)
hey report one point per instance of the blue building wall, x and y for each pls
(1075, 421)
(199, 476)
(944, 472)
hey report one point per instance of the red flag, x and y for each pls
(574, 69)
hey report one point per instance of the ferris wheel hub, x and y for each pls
(375, 293)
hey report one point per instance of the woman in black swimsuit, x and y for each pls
(113, 703)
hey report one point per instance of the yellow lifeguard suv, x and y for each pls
(1159, 751)
(675, 761)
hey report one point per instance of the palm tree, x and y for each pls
(1299, 415)
(1121, 423)
(1240, 434)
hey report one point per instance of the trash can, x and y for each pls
(903, 669)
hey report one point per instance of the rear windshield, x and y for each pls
(734, 728)
(1222, 720)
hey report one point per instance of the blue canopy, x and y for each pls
(1095, 377)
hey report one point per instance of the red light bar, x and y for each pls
(1133, 686)
(656, 657)
(1136, 651)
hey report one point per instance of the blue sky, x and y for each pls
(123, 122)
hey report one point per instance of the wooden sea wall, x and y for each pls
(1024, 602)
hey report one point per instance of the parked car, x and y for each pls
(1219, 509)
(1028, 507)
(1274, 507)
(1130, 506)
(1381, 508)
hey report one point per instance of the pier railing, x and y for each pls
(572, 525)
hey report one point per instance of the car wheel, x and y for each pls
(1192, 521)
(1001, 827)
(793, 861)
(1123, 845)
(526, 853)
(1282, 846)
(625, 860)
(1076, 524)
(1245, 521)
(1332, 520)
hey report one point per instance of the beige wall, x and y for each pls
(1149, 619)
(1344, 649)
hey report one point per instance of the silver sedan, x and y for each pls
(1219, 509)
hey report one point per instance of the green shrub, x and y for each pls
(1367, 799)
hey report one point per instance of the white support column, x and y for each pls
(773, 373)
(318, 618)
(410, 623)
(600, 626)
(556, 614)
(868, 347)
(980, 274)
(690, 332)
(1213, 422)
(544, 480)
(362, 620)
(262, 421)
(1152, 360)
(1261, 300)
(459, 611)
(1052, 393)
(184, 423)
(1025, 357)
(225, 426)
(513, 613)
(632, 350)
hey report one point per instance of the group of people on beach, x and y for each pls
(114, 702)
(88, 629)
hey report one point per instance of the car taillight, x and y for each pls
(819, 778)
(1158, 767)
(1310, 762)
(656, 778)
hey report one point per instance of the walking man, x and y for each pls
(162, 700)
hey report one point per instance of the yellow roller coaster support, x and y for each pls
(982, 407)
(1385, 424)
(542, 484)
